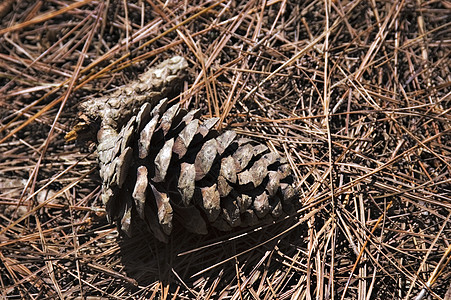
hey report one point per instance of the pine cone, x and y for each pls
(165, 164)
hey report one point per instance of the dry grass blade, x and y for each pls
(355, 94)
(42, 18)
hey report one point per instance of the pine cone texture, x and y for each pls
(166, 166)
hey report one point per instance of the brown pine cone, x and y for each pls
(165, 164)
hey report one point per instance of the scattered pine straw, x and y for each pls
(356, 94)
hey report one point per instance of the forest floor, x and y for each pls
(356, 94)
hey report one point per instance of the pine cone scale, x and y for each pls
(139, 192)
(145, 137)
(186, 183)
(205, 158)
(211, 202)
(185, 137)
(164, 210)
(162, 161)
